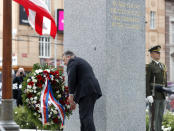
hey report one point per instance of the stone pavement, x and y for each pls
(32, 130)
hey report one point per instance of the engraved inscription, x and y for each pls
(126, 15)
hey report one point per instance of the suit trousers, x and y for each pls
(86, 108)
(156, 110)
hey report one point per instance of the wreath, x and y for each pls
(45, 96)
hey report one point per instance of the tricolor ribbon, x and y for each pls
(47, 95)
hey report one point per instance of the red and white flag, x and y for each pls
(39, 16)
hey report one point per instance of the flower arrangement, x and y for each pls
(46, 97)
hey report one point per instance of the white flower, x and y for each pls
(31, 98)
(54, 111)
(59, 96)
(38, 71)
(28, 90)
(49, 115)
(68, 106)
(35, 114)
(34, 87)
(57, 92)
(40, 119)
(31, 90)
(35, 97)
(28, 86)
(34, 102)
(28, 80)
(48, 70)
(44, 76)
(16, 112)
(34, 91)
(34, 80)
(27, 100)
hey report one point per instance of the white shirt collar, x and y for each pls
(156, 61)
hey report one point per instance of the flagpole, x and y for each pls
(55, 52)
(7, 101)
(55, 42)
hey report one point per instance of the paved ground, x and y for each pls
(32, 130)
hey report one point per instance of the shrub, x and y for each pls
(22, 118)
(147, 122)
(168, 121)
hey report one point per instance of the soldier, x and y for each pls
(155, 77)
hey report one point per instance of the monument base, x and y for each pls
(7, 116)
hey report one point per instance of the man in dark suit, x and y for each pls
(84, 88)
(155, 77)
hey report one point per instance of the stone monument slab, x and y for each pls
(110, 35)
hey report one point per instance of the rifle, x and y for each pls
(162, 88)
(152, 108)
(153, 89)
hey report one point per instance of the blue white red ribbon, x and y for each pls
(47, 95)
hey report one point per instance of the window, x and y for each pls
(152, 20)
(172, 32)
(44, 47)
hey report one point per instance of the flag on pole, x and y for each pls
(39, 16)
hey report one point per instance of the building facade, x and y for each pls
(169, 18)
(155, 26)
(28, 47)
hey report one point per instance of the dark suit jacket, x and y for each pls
(154, 70)
(81, 79)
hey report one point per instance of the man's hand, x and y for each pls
(73, 106)
(150, 99)
(71, 101)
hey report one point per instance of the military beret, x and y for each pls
(156, 48)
